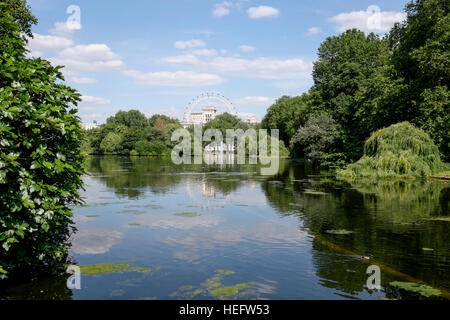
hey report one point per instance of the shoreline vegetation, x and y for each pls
(398, 151)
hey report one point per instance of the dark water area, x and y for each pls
(154, 230)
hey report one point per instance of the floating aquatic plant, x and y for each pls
(187, 214)
(213, 287)
(110, 268)
(422, 289)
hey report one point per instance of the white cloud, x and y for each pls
(367, 21)
(264, 68)
(246, 48)
(313, 30)
(174, 79)
(205, 52)
(82, 80)
(222, 9)
(263, 12)
(40, 44)
(189, 44)
(181, 59)
(92, 57)
(64, 28)
(90, 100)
(254, 101)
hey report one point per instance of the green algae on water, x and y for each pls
(227, 292)
(214, 287)
(422, 289)
(187, 214)
(225, 272)
(105, 268)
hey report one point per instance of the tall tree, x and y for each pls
(345, 62)
(287, 114)
(40, 154)
(23, 17)
(421, 56)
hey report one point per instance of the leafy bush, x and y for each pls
(398, 150)
(317, 138)
(143, 147)
(40, 155)
(111, 143)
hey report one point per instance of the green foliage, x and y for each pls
(23, 17)
(365, 83)
(287, 115)
(399, 150)
(111, 143)
(145, 147)
(132, 118)
(421, 56)
(131, 133)
(40, 154)
(226, 121)
(346, 63)
(317, 139)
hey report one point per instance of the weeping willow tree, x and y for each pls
(400, 150)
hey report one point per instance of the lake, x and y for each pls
(154, 230)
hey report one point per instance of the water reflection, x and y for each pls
(299, 234)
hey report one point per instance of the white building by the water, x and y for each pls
(89, 126)
(208, 113)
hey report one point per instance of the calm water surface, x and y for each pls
(153, 230)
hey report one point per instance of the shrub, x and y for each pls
(398, 150)
(41, 162)
(111, 143)
(134, 153)
(317, 138)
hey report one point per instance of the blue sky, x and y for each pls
(156, 56)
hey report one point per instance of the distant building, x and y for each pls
(252, 120)
(208, 113)
(89, 126)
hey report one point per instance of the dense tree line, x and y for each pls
(131, 132)
(363, 83)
